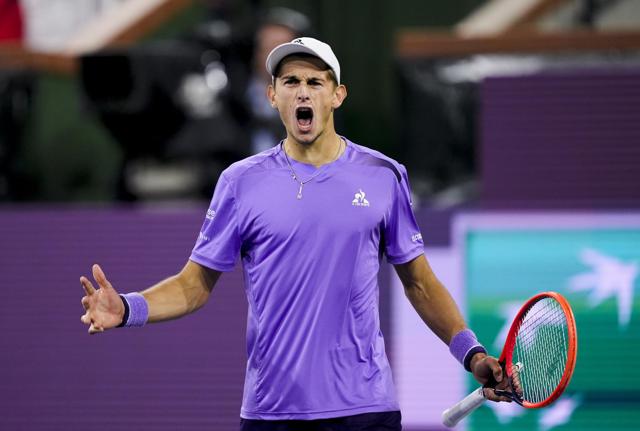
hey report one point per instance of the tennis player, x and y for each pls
(311, 220)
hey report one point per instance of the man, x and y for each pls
(278, 26)
(311, 219)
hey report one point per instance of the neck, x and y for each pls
(323, 150)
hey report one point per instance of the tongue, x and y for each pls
(304, 122)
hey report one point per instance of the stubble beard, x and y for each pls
(306, 140)
(309, 138)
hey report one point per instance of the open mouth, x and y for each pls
(304, 116)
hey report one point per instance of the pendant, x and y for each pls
(300, 191)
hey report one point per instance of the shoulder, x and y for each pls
(251, 165)
(367, 156)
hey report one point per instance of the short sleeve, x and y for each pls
(402, 237)
(218, 244)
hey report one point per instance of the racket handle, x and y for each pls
(461, 409)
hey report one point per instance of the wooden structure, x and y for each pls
(122, 25)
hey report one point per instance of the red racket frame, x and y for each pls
(507, 352)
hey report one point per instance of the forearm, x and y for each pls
(437, 309)
(170, 299)
(431, 300)
(179, 295)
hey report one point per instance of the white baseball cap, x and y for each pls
(303, 45)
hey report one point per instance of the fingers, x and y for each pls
(100, 278)
(94, 328)
(490, 394)
(85, 319)
(487, 369)
(496, 369)
(87, 286)
(90, 290)
(86, 304)
(502, 383)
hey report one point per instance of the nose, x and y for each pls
(303, 93)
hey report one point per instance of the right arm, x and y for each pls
(172, 298)
(180, 294)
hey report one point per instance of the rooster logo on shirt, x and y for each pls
(359, 200)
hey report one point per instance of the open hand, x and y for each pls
(103, 307)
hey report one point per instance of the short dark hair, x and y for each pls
(332, 74)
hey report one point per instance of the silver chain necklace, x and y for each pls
(303, 182)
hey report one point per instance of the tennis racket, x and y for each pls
(538, 357)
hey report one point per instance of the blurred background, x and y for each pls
(518, 121)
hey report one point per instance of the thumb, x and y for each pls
(100, 278)
(496, 369)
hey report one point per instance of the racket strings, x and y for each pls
(537, 341)
(540, 351)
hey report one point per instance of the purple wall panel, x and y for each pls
(185, 374)
(561, 140)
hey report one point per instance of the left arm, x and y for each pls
(438, 310)
(430, 298)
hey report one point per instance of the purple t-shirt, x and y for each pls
(315, 349)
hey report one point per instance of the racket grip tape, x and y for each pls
(461, 409)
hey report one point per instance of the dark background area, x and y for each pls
(65, 153)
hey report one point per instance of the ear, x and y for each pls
(338, 96)
(271, 95)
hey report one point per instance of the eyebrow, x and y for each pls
(297, 78)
